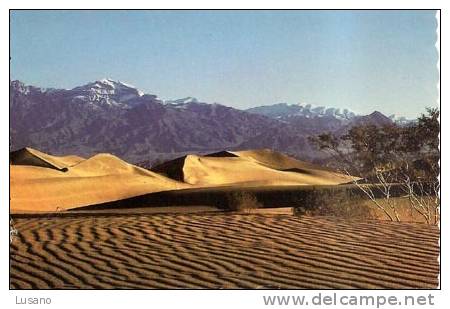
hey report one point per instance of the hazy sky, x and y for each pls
(362, 60)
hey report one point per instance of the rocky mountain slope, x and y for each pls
(112, 116)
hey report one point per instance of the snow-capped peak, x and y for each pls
(320, 111)
(185, 100)
(109, 85)
(108, 81)
(113, 84)
(107, 91)
(285, 110)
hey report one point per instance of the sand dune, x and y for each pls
(33, 157)
(148, 250)
(42, 182)
(213, 171)
(277, 160)
(221, 251)
(102, 178)
(282, 162)
(249, 168)
(106, 164)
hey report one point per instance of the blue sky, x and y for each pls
(361, 60)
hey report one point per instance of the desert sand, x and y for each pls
(221, 251)
(33, 157)
(197, 244)
(41, 182)
(250, 168)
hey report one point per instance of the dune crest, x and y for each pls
(282, 162)
(41, 182)
(33, 157)
(249, 168)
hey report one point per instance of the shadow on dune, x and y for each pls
(221, 197)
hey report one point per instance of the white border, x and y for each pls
(194, 299)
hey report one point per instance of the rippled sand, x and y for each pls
(221, 251)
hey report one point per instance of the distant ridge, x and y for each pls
(114, 117)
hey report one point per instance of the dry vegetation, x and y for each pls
(392, 156)
(334, 203)
(243, 202)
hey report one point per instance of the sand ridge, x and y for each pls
(207, 171)
(222, 251)
(99, 179)
(252, 167)
(33, 157)
(280, 161)
(42, 182)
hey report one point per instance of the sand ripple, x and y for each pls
(221, 251)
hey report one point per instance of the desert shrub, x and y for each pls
(389, 156)
(334, 203)
(242, 201)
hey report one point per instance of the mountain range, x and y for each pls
(114, 117)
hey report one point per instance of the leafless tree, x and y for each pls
(391, 156)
